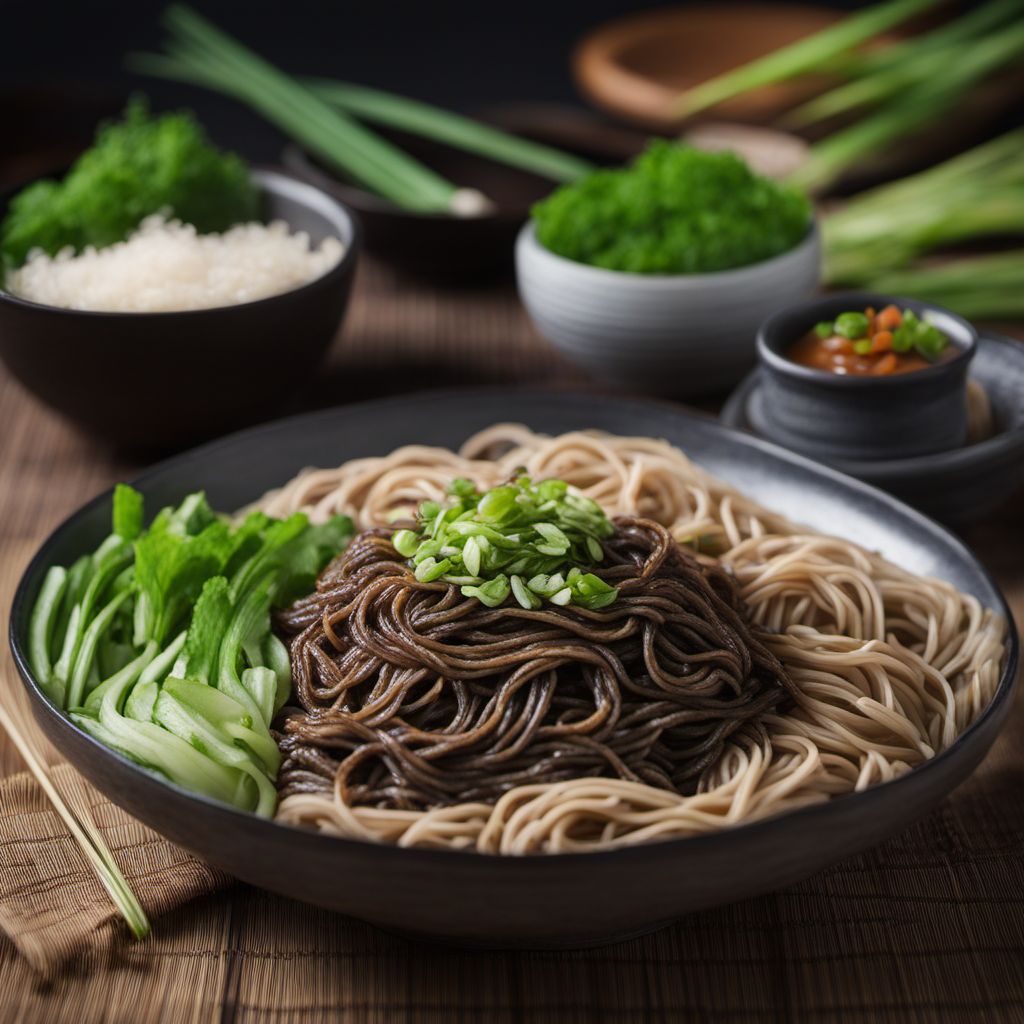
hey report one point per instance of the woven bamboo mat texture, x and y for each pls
(928, 927)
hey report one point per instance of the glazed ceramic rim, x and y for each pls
(768, 344)
(1003, 691)
(529, 245)
(288, 187)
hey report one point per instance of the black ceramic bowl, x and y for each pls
(145, 380)
(828, 415)
(546, 901)
(959, 487)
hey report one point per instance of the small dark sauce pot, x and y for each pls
(829, 415)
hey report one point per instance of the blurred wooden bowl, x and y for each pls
(634, 67)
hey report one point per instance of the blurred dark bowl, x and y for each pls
(437, 246)
(154, 380)
(834, 417)
(466, 250)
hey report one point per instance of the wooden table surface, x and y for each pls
(896, 934)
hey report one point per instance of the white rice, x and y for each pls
(167, 266)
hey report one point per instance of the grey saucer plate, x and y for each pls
(530, 901)
(958, 487)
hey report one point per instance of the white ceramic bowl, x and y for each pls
(678, 335)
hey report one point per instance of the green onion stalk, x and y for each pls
(886, 73)
(812, 53)
(871, 90)
(959, 31)
(879, 238)
(979, 193)
(962, 219)
(204, 55)
(324, 116)
(981, 287)
(924, 102)
(993, 163)
(464, 133)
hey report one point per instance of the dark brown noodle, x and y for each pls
(418, 697)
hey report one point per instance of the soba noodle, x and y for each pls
(885, 668)
(431, 698)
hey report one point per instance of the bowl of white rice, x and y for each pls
(171, 335)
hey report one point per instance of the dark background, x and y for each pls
(465, 54)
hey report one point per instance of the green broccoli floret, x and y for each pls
(138, 166)
(675, 210)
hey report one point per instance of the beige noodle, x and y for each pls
(889, 667)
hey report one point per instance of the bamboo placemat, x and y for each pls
(928, 927)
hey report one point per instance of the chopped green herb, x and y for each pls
(522, 539)
(674, 210)
(851, 325)
(914, 333)
(825, 329)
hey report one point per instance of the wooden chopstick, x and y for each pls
(86, 834)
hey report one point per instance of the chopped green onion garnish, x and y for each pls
(523, 594)
(851, 325)
(915, 333)
(406, 542)
(533, 541)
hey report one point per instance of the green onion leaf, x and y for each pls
(492, 593)
(813, 52)
(851, 325)
(461, 132)
(520, 538)
(523, 594)
(471, 556)
(203, 54)
(406, 542)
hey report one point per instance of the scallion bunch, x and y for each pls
(886, 94)
(812, 53)
(985, 287)
(908, 99)
(878, 238)
(533, 541)
(325, 117)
